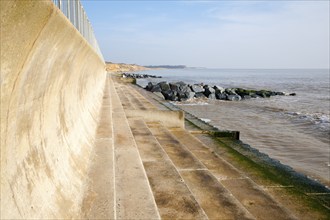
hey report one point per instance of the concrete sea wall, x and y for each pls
(51, 91)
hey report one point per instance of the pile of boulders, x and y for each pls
(139, 76)
(180, 91)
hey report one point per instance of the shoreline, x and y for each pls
(316, 178)
(245, 149)
(302, 143)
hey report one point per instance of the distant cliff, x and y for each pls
(167, 66)
(122, 67)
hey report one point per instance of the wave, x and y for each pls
(191, 102)
(273, 109)
(205, 120)
(320, 119)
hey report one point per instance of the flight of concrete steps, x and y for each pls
(143, 169)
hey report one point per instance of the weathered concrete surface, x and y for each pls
(173, 198)
(168, 118)
(51, 91)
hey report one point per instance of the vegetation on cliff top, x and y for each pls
(123, 67)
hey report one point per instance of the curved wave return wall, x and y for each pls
(52, 81)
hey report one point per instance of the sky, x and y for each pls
(214, 34)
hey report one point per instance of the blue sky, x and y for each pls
(216, 34)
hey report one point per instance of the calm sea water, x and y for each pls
(292, 129)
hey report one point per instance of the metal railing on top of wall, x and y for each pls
(75, 12)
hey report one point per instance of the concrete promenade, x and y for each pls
(146, 168)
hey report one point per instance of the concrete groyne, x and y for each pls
(51, 90)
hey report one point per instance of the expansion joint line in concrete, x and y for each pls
(201, 169)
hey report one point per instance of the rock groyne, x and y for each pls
(181, 91)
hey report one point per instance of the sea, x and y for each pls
(292, 129)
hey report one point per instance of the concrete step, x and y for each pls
(136, 103)
(135, 99)
(133, 195)
(145, 102)
(99, 199)
(173, 198)
(126, 103)
(216, 201)
(129, 102)
(259, 203)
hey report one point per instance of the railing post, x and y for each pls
(68, 8)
